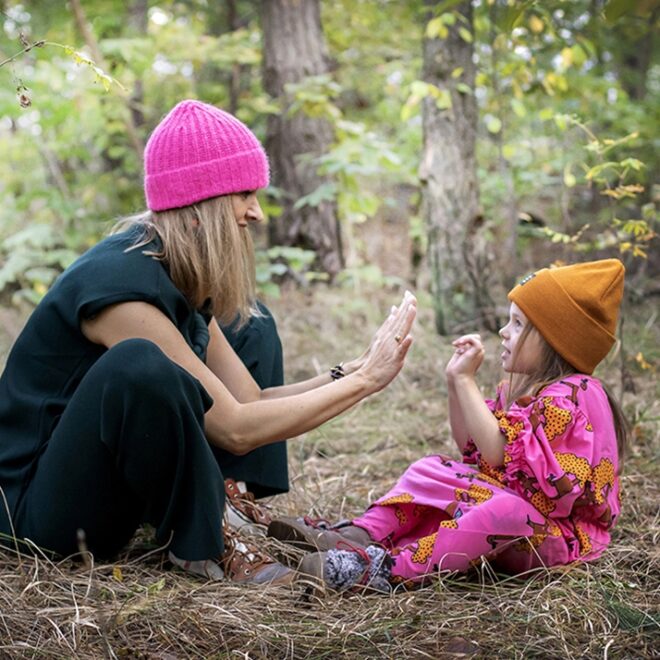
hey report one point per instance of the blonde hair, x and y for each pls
(209, 257)
(551, 368)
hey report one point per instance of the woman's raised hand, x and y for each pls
(385, 356)
(467, 358)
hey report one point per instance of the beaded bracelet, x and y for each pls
(337, 371)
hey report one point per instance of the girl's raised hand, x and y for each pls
(386, 354)
(467, 358)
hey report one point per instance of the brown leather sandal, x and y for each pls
(308, 534)
(245, 564)
(241, 562)
(242, 512)
(347, 568)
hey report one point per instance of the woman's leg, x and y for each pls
(129, 448)
(258, 345)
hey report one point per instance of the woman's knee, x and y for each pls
(136, 358)
(138, 370)
(139, 364)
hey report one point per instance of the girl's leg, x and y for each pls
(503, 524)
(258, 345)
(129, 448)
(422, 498)
(387, 524)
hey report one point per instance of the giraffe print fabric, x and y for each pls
(552, 502)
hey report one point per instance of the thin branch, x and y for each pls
(92, 44)
(28, 48)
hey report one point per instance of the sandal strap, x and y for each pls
(347, 545)
(241, 558)
(324, 524)
(245, 503)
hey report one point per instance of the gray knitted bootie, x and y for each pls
(344, 569)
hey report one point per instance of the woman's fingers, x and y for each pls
(395, 330)
(406, 317)
(404, 346)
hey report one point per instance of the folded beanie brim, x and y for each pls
(240, 172)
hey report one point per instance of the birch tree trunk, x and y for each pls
(294, 48)
(449, 183)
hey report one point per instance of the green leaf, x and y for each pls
(493, 124)
(443, 99)
(509, 151)
(595, 171)
(512, 16)
(448, 18)
(326, 192)
(436, 29)
(633, 163)
(420, 88)
(615, 9)
(156, 587)
(465, 34)
(518, 108)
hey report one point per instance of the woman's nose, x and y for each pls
(254, 211)
(502, 332)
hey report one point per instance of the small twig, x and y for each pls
(28, 48)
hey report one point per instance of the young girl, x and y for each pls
(123, 403)
(538, 482)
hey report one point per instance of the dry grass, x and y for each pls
(139, 607)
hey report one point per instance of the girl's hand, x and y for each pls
(395, 313)
(386, 354)
(467, 357)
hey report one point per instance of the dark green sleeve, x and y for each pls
(114, 272)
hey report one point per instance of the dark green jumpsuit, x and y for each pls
(104, 440)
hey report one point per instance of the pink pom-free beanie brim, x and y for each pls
(198, 152)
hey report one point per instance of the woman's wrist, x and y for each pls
(351, 366)
(367, 382)
(342, 369)
(337, 371)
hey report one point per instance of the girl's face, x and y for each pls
(521, 357)
(246, 207)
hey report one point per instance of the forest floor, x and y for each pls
(141, 607)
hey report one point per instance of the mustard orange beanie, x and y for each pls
(575, 308)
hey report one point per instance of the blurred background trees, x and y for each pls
(450, 146)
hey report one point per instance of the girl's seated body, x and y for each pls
(537, 484)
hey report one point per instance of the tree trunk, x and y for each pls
(637, 54)
(459, 283)
(294, 48)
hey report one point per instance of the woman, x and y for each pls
(122, 400)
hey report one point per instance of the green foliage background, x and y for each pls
(568, 111)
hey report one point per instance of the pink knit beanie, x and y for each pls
(198, 152)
